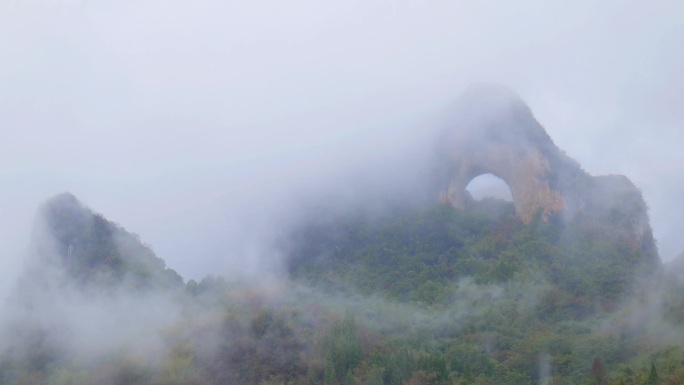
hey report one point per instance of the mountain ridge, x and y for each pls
(93, 250)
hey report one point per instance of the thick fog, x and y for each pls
(195, 123)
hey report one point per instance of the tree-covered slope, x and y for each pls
(94, 250)
(431, 296)
(420, 256)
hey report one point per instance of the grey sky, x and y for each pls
(171, 117)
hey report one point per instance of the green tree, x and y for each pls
(329, 375)
(349, 378)
(598, 372)
(653, 376)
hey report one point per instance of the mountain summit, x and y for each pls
(494, 132)
(94, 250)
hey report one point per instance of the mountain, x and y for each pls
(494, 131)
(93, 250)
(561, 286)
(591, 234)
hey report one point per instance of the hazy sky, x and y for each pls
(171, 117)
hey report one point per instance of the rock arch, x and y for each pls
(525, 173)
(495, 133)
(488, 185)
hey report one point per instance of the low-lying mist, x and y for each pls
(341, 268)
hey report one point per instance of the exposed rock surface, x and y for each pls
(494, 132)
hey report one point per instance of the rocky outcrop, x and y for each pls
(494, 132)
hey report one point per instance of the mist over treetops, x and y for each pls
(415, 282)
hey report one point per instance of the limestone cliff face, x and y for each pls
(493, 132)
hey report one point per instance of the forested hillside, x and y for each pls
(421, 256)
(95, 251)
(423, 296)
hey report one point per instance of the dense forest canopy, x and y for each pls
(430, 295)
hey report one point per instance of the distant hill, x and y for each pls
(93, 250)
